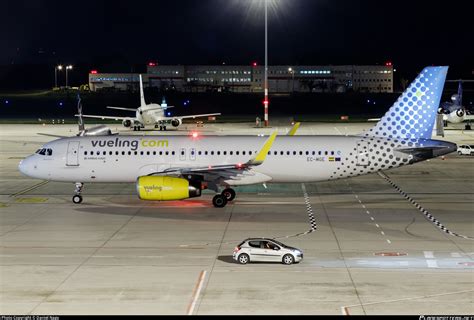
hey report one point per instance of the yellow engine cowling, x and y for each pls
(162, 188)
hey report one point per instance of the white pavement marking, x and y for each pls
(428, 254)
(377, 225)
(196, 292)
(432, 263)
(51, 256)
(389, 241)
(456, 255)
(383, 233)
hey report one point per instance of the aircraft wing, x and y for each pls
(226, 171)
(197, 115)
(105, 117)
(119, 108)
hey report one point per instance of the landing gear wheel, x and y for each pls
(219, 201)
(164, 128)
(288, 259)
(77, 199)
(229, 194)
(161, 128)
(244, 258)
(156, 126)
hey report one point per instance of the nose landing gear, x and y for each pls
(77, 198)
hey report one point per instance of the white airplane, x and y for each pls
(454, 111)
(151, 114)
(180, 167)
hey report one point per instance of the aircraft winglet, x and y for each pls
(293, 130)
(262, 154)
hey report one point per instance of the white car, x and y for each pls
(466, 150)
(268, 250)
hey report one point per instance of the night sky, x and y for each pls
(116, 35)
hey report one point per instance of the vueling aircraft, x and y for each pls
(151, 114)
(180, 167)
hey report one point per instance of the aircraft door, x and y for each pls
(192, 154)
(182, 154)
(72, 157)
(363, 153)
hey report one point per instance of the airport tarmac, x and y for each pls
(373, 252)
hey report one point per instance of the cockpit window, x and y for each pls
(45, 152)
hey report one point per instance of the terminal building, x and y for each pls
(233, 78)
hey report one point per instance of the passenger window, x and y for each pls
(319, 153)
(130, 153)
(116, 153)
(141, 153)
(301, 153)
(307, 153)
(172, 153)
(85, 153)
(250, 153)
(243, 152)
(104, 153)
(212, 153)
(161, 153)
(199, 152)
(325, 153)
(154, 153)
(288, 153)
(148, 153)
(167, 153)
(294, 153)
(98, 153)
(123, 153)
(314, 152)
(282, 153)
(237, 153)
(269, 152)
(231, 152)
(135, 152)
(254, 244)
(205, 152)
(218, 153)
(332, 153)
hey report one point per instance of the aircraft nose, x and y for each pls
(25, 166)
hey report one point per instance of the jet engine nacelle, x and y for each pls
(460, 113)
(127, 123)
(176, 122)
(162, 188)
(101, 130)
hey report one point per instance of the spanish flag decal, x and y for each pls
(331, 158)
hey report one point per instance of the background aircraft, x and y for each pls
(151, 114)
(454, 111)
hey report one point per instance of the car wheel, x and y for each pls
(460, 153)
(288, 259)
(244, 258)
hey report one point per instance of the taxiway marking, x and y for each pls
(196, 292)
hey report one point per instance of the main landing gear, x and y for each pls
(77, 198)
(220, 200)
(161, 127)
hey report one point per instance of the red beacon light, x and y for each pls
(388, 63)
(194, 135)
(93, 71)
(254, 64)
(151, 64)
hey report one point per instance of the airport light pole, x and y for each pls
(69, 67)
(56, 68)
(290, 70)
(265, 101)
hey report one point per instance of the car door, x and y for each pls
(272, 251)
(256, 251)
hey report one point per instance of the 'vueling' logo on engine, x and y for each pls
(132, 144)
(152, 188)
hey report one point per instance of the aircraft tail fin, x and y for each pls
(459, 100)
(142, 95)
(413, 115)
